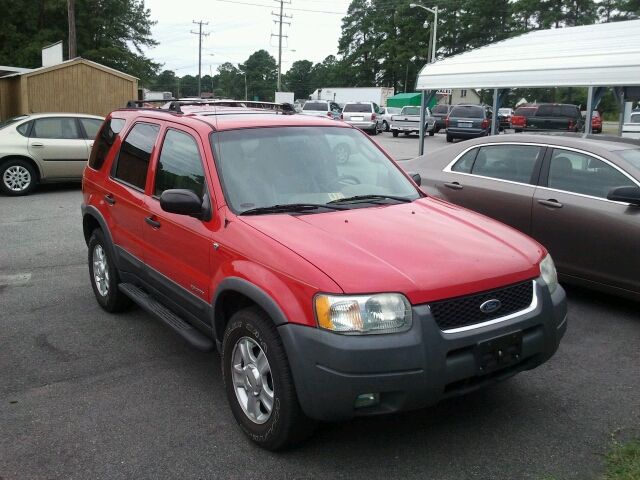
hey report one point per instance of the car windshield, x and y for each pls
(304, 167)
(13, 120)
(525, 112)
(316, 106)
(466, 112)
(411, 111)
(635, 118)
(632, 156)
(358, 107)
(505, 111)
(393, 110)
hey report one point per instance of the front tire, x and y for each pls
(432, 133)
(258, 382)
(17, 177)
(385, 125)
(104, 275)
(395, 133)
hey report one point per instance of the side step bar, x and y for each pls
(166, 316)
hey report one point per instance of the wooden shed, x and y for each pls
(74, 86)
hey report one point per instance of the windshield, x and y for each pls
(467, 112)
(632, 156)
(264, 167)
(505, 111)
(13, 120)
(393, 110)
(525, 112)
(411, 111)
(358, 107)
(635, 118)
(316, 106)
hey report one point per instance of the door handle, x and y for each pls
(453, 186)
(152, 222)
(37, 145)
(109, 199)
(550, 203)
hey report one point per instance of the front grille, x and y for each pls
(464, 311)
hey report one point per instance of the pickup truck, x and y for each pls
(632, 128)
(408, 121)
(555, 116)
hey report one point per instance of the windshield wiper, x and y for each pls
(370, 199)
(291, 207)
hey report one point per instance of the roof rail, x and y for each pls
(176, 104)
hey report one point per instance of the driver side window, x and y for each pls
(180, 165)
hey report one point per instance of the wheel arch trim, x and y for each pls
(90, 212)
(25, 158)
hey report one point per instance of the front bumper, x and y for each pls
(413, 369)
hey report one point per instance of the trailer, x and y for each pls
(378, 95)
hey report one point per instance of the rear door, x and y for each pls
(587, 235)
(59, 146)
(495, 180)
(178, 246)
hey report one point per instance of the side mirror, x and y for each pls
(625, 194)
(180, 201)
(416, 178)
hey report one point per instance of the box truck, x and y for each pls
(378, 95)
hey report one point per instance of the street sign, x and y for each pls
(445, 92)
(256, 98)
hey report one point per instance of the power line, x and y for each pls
(267, 6)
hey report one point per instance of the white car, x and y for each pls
(385, 113)
(364, 115)
(321, 108)
(44, 147)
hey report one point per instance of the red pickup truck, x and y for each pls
(519, 118)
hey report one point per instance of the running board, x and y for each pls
(166, 316)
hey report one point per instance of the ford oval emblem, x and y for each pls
(490, 306)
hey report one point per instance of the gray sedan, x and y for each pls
(580, 198)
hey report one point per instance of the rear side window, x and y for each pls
(180, 165)
(56, 128)
(105, 138)
(316, 106)
(525, 112)
(24, 128)
(467, 112)
(132, 163)
(91, 126)
(357, 107)
(507, 162)
(466, 162)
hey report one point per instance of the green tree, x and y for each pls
(110, 32)
(230, 82)
(299, 79)
(261, 70)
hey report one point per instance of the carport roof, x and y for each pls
(606, 54)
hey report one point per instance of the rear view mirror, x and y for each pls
(625, 194)
(180, 201)
(416, 178)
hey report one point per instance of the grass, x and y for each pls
(623, 461)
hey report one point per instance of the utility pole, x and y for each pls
(280, 36)
(200, 34)
(71, 9)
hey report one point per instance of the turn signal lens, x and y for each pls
(379, 313)
(548, 273)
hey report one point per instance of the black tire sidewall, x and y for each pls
(275, 432)
(13, 162)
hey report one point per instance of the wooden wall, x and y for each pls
(74, 87)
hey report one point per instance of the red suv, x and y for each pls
(330, 290)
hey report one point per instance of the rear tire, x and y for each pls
(104, 275)
(449, 138)
(395, 133)
(374, 131)
(259, 383)
(17, 177)
(432, 133)
(385, 125)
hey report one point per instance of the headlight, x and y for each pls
(548, 272)
(379, 313)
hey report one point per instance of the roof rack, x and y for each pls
(176, 104)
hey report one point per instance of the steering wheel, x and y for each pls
(349, 179)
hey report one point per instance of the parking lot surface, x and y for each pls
(86, 394)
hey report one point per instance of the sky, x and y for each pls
(238, 28)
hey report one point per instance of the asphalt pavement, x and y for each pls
(89, 395)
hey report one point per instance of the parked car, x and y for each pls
(408, 121)
(596, 121)
(555, 116)
(331, 291)
(440, 113)
(505, 114)
(580, 198)
(321, 108)
(519, 118)
(631, 129)
(386, 113)
(44, 147)
(364, 115)
(468, 121)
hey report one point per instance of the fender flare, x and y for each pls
(252, 291)
(91, 211)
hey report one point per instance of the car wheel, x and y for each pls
(104, 275)
(374, 131)
(385, 125)
(342, 152)
(406, 133)
(437, 129)
(432, 133)
(449, 138)
(18, 177)
(258, 382)
(395, 133)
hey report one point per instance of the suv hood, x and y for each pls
(428, 249)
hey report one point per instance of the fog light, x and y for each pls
(367, 400)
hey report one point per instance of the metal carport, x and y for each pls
(594, 56)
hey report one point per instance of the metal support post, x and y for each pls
(424, 103)
(587, 120)
(494, 116)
